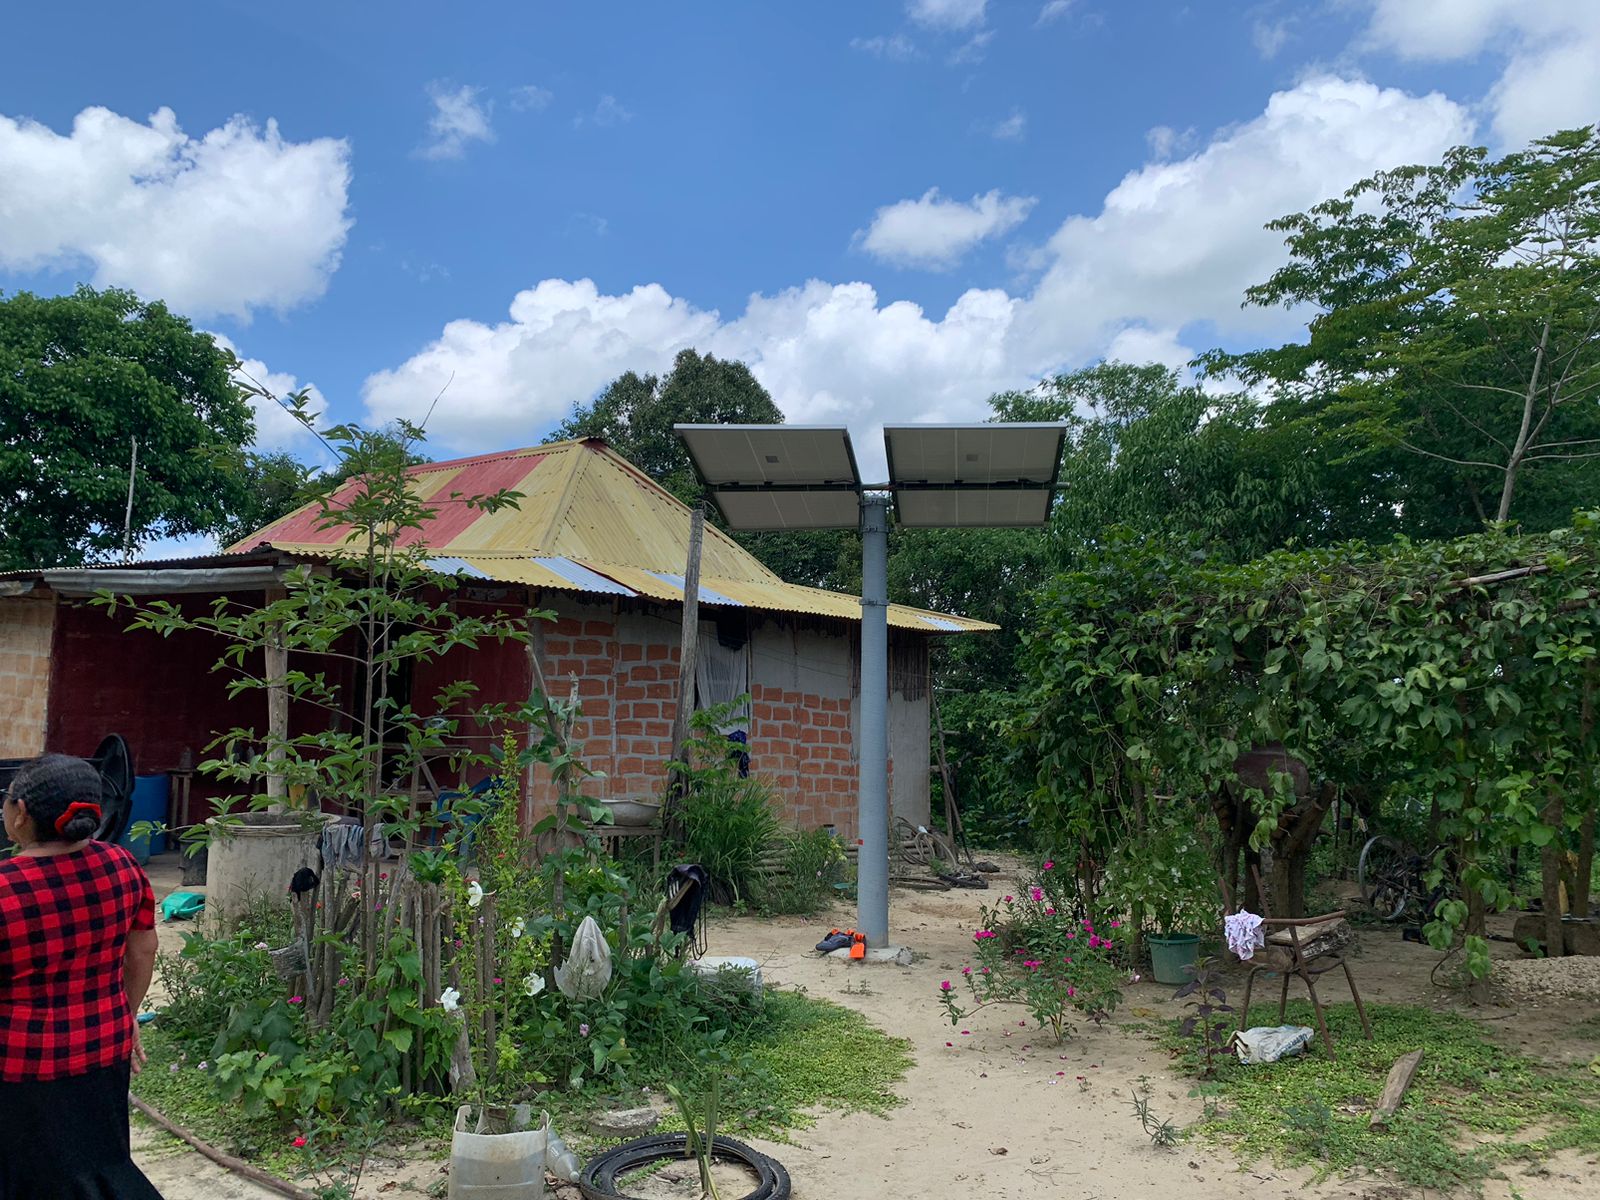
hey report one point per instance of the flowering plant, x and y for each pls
(1033, 954)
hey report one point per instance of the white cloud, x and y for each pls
(935, 232)
(458, 119)
(1053, 11)
(1165, 141)
(947, 14)
(1550, 48)
(531, 98)
(275, 428)
(233, 221)
(1173, 244)
(896, 47)
(972, 50)
(607, 112)
(563, 341)
(1269, 37)
(1013, 129)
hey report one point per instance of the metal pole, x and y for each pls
(872, 788)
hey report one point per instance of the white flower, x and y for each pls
(474, 894)
(518, 927)
(533, 984)
(450, 999)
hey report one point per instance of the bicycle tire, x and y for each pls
(599, 1178)
(1385, 887)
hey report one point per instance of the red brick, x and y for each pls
(627, 728)
(592, 686)
(586, 646)
(645, 674)
(554, 646)
(568, 626)
(660, 691)
(631, 653)
(646, 709)
(599, 628)
(655, 652)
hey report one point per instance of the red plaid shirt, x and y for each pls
(64, 923)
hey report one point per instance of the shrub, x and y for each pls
(813, 863)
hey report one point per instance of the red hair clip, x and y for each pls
(73, 809)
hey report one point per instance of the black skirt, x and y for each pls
(67, 1139)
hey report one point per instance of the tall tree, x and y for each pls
(81, 377)
(1455, 350)
(635, 415)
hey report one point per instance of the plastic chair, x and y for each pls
(444, 812)
(1303, 948)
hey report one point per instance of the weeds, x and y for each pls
(1163, 1135)
(1471, 1106)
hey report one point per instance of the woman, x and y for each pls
(77, 946)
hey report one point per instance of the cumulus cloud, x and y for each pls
(1550, 48)
(947, 14)
(459, 118)
(935, 232)
(1165, 141)
(896, 47)
(1173, 244)
(563, 340)
(275, 428)
(236, 220)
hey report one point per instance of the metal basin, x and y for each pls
(633, 812)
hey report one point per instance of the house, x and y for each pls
(592, 538)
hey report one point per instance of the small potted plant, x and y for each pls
(1168, 879)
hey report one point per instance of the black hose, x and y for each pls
(599, 1178)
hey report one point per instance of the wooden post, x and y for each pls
(690, 642)
(535, 649)
(277, 668)
(1394, 1088)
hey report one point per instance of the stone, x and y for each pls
(1582, 937)
(624, 1122)
(746, 970)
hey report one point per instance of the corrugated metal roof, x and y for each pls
(588, 521)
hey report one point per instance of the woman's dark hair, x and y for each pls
(63, 797)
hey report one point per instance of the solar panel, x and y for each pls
(950, 508)
(1016, 452)
(777, 476)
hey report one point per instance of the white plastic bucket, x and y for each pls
(498, 1166)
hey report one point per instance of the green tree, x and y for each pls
(275, 483)
(1455, 348)
(83, 375)
(635, 415)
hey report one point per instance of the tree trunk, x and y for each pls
(1514, 462)
(1578, 895)
(1550, 876)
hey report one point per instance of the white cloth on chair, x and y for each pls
(1243, 933)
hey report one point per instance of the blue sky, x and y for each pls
(890, 209)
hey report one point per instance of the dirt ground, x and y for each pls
(1001, 1112)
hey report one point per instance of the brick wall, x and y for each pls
(26, 626)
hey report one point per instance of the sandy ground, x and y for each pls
(1002, 1112)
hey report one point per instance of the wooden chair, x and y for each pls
(1302, 947)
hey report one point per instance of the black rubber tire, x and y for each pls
(1383, 874)
(599, 1178)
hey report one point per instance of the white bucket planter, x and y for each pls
(252, 858)
(498, 1166)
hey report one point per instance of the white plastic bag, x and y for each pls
(1269, 1043)
(498, 1166)
(588, 967)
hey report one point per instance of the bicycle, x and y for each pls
(1393, 877)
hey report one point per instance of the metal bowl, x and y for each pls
(633, 812)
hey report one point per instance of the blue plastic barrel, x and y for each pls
(149, 803)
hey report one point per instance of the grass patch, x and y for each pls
(807, 1054)
(1471, 1105)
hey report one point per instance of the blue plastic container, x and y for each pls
(149, 803)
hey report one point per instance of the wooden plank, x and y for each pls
(1394, 1089)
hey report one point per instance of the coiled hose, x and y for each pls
(599, 1178)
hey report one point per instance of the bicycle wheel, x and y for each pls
(1384, 875)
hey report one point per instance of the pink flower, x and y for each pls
(966, 970)
(1072, 933)
(1007, 899)
(945, 986)
(966, 1033)
(1049, 912)
(299, 1141)
(1116, 924)
(1071, 991)
(1037, 894)
(986, 970)
(583, 1030)
(1048, 866)
(949, 1043)
(296, 999)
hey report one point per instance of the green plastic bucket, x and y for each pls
(1173, 958)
